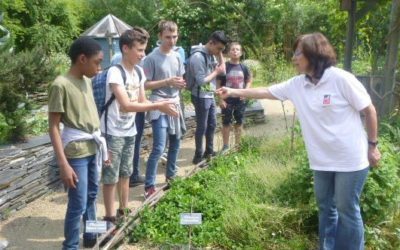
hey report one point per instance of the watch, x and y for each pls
(373, 143)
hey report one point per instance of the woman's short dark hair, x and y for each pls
(136, 34)
(83, 45)
(318, 51)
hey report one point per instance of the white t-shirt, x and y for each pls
(329, 115)
(119, 122)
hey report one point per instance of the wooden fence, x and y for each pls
(28, 171)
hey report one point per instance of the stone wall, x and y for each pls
(28, 170)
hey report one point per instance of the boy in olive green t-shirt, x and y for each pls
(71, 103)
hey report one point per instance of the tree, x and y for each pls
(50, 24)
(391, 59)
(5, 43)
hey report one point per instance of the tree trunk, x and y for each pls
(350, 36)
(391, 60)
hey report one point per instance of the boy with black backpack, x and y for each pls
(202, 70)
(237, 76)
(118, 118)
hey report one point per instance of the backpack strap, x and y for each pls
(139, 73)
(246, 73)
(206, 61)
(112, 98)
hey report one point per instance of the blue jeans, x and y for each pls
(81, 201)
(160, 132)
(206, 123)
(139, 123)
(338, 198)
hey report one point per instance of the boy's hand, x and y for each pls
(177, 82)
(220, 69)
(107, 163)
(68, 176)
(222, 104)
(168, 107)
(224, 92)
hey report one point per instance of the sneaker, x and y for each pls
(123, 212)
(225, 149)
(138, 181)
(149, 192)
(170, 179)
(89, 243)
(111, 222)
(197, 159)
(208, 155)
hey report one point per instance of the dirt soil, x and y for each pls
(40, 224)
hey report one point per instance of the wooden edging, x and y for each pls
(120, 233)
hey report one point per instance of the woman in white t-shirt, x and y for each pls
(328, 101)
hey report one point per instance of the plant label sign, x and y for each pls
(93, 226)
(191, 218)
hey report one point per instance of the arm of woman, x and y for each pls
(256, 93)
(371, 122)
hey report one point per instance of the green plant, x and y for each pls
(37, 123)
(22, 73)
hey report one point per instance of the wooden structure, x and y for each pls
(386, 89)
(107, 32)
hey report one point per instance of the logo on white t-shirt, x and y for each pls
(327, 100)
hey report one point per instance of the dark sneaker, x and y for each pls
(208, 155)
(123, 212)
(170, 179)
(197, 159)
(137, 181)
(111, 222)
(149, 192)
(225, 149)
(89, 243)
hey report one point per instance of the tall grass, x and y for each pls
(262, 198)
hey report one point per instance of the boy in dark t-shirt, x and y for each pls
(238, 77)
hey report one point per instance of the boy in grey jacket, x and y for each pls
(205, 64)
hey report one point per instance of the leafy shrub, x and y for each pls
(234, 199)
(262, 198)
(21, 73)
(380, 197)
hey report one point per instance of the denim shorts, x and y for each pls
(121, 149)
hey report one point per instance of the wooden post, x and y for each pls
(350, 36)
(345, 5)
(391, 60)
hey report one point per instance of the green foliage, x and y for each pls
(263, 198)
(61, 62)
(22, 73)
(37, 123)
(234, 196)
(51, 24)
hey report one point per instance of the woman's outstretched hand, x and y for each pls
(224, 92)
